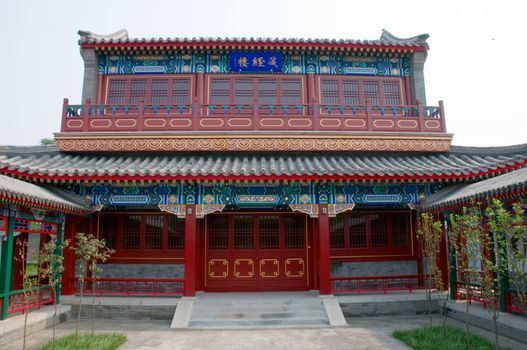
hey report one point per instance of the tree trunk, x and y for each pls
(93, 306)
(79, 313)
(54, 316)
(467, 318)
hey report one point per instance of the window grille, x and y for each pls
(109, 231)
(176, 233)
(269, 232)
(117, 92)
(154, 232)
(243, 232)
(357, 231)
(218, 232)
(379, 234)
(294, 232)
(137, 91)
(132, 232)
(336, 232)
(159, 92)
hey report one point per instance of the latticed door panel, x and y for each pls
(256, 252)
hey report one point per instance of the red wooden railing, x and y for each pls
(131, 286)
(513, 304)
(365, 284)
(251, 117)
(39, 296)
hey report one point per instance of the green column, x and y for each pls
(6, 265)
(60, 239)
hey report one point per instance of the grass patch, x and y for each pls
(434, 339)
(106, 341)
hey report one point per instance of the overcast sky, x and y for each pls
(476, 61)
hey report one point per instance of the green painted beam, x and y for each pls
(6, 265)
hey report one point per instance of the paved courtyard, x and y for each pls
(363, 333)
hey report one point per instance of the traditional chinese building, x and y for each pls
(254, 164)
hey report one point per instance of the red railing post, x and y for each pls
(442, 116)
(368, 117)
(195, 114)
(86, 115)
(64, 114)
(421, 113)
(256, 115)
(140, 114)
(315, 113)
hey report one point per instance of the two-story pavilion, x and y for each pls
(254, 164)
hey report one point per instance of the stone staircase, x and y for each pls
(258, 310)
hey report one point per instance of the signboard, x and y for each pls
(261, 62)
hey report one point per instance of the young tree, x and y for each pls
(88, 251)
(494, 259)
(51, 266)
(516, 241)
(101, 253)
(430, 235)
(464, 238)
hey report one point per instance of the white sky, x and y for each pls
(476, 62)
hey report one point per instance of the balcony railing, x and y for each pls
(90, 117)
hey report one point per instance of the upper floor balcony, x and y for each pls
(252, 118)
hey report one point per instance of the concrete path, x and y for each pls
(363, 333)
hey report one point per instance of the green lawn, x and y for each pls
(434, 339)
(88, 342)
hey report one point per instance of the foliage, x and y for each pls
(89, 251)
(47, 141)
(516, 241)
(435, 339)
(28, 281)
(88, 342)
(430, 235)
(50, 268)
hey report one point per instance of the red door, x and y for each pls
(263, 252)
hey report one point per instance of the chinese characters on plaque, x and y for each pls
(262, 62)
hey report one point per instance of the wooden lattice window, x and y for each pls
(269, 229)
(354, 91)
(176, 233)
(154, 232)
(336, 232)
(401, 235)
(218, 232)
(132, 232)
(154, 90)
(242, 91)
(371, 232)
(357, 231)
(294, 232)
(117, 92)
(243, 232)
(109, 231)
(159, 92)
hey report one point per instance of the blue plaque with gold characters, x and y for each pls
(261, 62)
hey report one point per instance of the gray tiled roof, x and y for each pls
(121, 37)
(514, 182)
(459, 162)
(16, 191)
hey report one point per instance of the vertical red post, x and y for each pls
(64, 115)
(70, 228)
(421, 112)
(86, 115)
(442, 116)
(324, 260)
(190, 251)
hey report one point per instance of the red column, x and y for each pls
(190, 251)
(70, 228)
(323, 239)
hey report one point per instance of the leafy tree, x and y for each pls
(516, 241)
(89, 250)
(51, 266)
(430, 235)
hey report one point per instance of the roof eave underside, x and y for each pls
(510, 185)
(14, 191)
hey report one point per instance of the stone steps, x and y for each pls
(258, 310)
